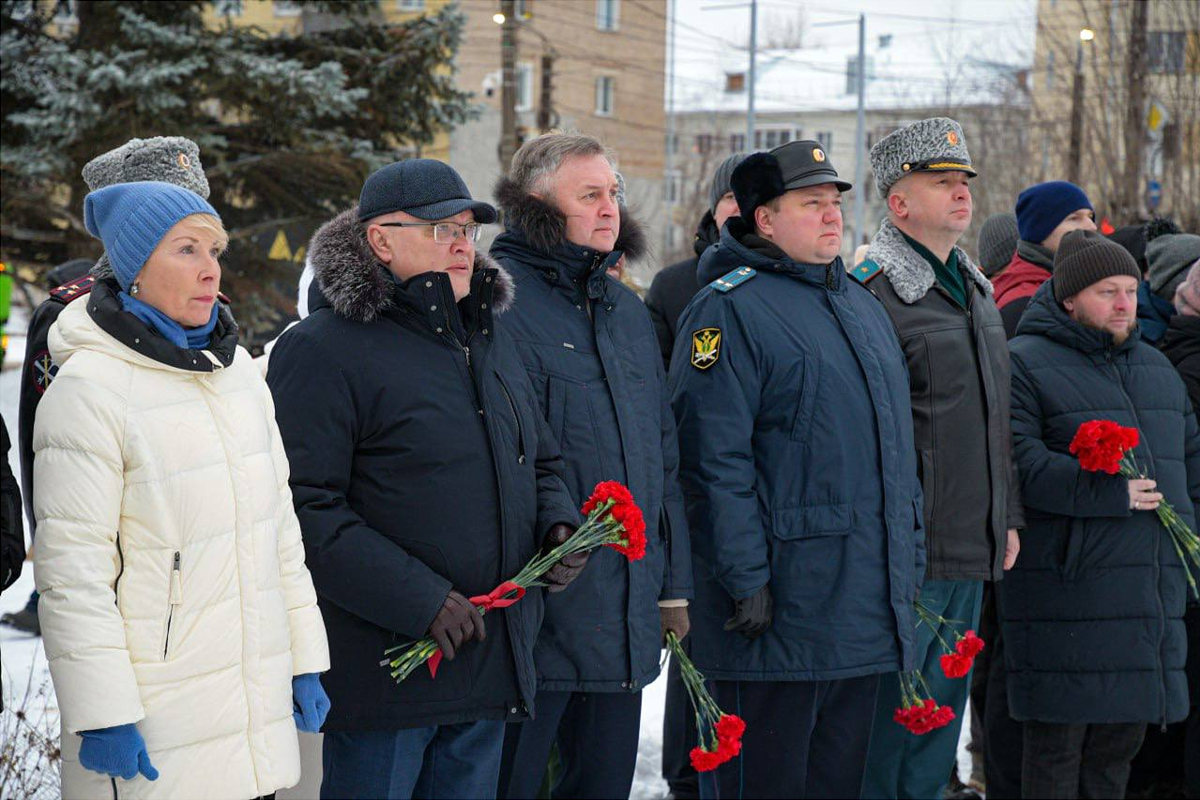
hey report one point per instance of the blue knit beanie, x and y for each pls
(132, 218)
(1042, 207)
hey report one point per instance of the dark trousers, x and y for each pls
(597, 737)
(679, 737)
(804, 739)
(1086, 761)
(1004, 735)
(442, 761)
(901, 764)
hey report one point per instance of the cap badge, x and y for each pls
(184, 161)
(818, 154)
(952, 137)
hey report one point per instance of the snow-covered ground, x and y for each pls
(24, 661)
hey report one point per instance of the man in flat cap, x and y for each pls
(423, 476)
(953, 339)
(172, 159)
(800, 476)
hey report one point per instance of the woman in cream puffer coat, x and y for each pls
(175, 605)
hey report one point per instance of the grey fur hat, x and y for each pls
(929, 145)
(171, 159)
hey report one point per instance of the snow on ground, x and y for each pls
(24, 661)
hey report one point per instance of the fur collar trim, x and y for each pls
(357, 286)
(909, 273)
(544, 227)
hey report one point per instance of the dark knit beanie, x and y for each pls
(721, 179)
(1085, 257)
(1040, 208)
(997, 242)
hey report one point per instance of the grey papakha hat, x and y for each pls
(170, 159)
(929, 145)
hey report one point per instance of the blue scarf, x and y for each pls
(169, 329)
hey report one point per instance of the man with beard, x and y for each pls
(1093, 613)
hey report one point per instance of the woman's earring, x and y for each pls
(134, 289)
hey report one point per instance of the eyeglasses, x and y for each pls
(443, 232)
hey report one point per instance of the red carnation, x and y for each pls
(630, 518)
(731, 727)
(728, 749)
(955, 665)
(969, 645)
(605, 491)
(1101, 444)
(704, 760)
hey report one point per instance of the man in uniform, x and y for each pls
(954, 343)
(800, 481)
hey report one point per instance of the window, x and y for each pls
(735, 82)
(286, 8)
(825, 139)
(704, 143)
(770, 138)
(673, 187)
(524, 87)
(228, 8)
(410, 5)
(522, 10)
(737, 142)
(671, 143)
(608, 13)
(1165, 51)
(605, 88)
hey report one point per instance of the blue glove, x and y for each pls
(310, 701)
(119, 752)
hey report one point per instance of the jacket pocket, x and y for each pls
(807, 402)
(512, 405)
(174, 598)
(928, 486)
(808, 522)
(1073, 548)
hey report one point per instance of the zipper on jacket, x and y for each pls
(517, 417)
(114, 788)
(176, 597)
(120, 571)
(1162, 611)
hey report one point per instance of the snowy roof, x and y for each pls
(913, 69)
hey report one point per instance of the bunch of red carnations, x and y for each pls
(612, 520)
(919, 712)
(720, 734)
(958, 659)
(1102, 445)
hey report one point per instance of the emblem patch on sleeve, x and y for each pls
(706, 347)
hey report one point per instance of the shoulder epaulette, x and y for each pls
(73, 290)
(866, 271)
(731, 280)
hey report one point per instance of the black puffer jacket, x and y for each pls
(589, 348)
(959, 375)
(1181, 345)
(675, 286)
(417, 466)
(1092, 613)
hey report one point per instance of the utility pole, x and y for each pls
(1074, 154)
(508, 85)
(546, 116)
(860, 132)
(1135, 111)
(670, 187)
(750, 89)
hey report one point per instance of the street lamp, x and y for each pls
(1075, 153)
(498, 18)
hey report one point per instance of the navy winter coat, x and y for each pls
(1092, 613)
(417, 466)
(589, 347)
(799, 469)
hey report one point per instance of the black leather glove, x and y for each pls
(566, 570)
(752, 616)
(456, 622)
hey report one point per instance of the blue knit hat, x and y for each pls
(1042, 207)
(132, 218)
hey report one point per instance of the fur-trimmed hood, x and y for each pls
(544, 227)
(357, 286)
(909, 273)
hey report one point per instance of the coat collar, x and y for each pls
(1045, 317)
(739, 247)
(910, 274)
(353, 283)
